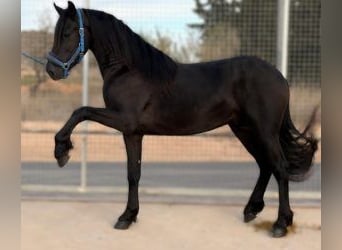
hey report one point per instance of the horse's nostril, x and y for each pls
(51, 73)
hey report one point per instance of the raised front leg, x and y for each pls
(133, 148)
(121, 121)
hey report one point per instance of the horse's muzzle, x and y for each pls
(54, 72)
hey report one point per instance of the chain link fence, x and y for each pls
(189, 31)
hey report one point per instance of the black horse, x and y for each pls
(147, 93)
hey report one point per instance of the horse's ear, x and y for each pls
(71, 9)
(58, 9)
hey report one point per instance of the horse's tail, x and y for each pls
(299, 148)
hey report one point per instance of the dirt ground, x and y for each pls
(88, 226)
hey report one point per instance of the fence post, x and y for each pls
(283, 35)
(84, 135)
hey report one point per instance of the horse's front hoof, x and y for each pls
(278, 232)
(62, 160)
(122, 225)
(62, 149)
(249, 217)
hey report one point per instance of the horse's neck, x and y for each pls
(106, 60)
(103, 51)
(109, 45)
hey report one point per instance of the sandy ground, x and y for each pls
(88, 226)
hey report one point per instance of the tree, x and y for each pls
(38, 43)
(248, 27)
(237, 27)
(304, 42)
(182, 52)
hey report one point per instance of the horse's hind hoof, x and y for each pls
(122, 225)
(278, 232)
(249, 217)
(63, 160)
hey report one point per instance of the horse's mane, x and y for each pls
(153, 64)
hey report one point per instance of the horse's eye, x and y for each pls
(66, 35)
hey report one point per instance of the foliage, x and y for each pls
(38, 43)
(304, 41)
(35, 43)
(248, 27)
(181, 52)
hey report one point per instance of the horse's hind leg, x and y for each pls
(255, 203)
(272, 155)
(267, 151)
(133, 147)
(285, 215)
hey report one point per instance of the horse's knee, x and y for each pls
(80, 113)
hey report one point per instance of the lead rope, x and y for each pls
(34, 58)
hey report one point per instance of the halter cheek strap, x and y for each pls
(76, 56)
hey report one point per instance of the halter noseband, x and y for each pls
(78, 54)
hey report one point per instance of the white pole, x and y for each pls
(84, 147)
(283, 35)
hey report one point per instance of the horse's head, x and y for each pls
(70, 42)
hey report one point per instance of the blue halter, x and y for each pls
(78, 54)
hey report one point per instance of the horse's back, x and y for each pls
(210, 94)
(233, 80)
